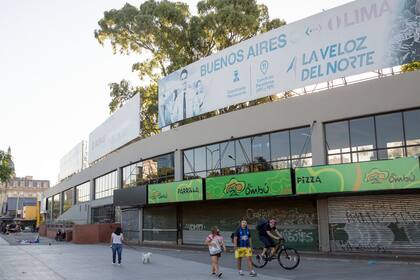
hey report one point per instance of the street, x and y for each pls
(70, 261)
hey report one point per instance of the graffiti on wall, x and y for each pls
(297, 225)
(379, 227)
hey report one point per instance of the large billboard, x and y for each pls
(190, 190)
(257, 184)
(355, 38)
(73, 161)
(119, 129)
(403, 173)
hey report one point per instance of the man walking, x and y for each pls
(242, 245)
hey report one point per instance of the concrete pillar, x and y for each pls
(318, 144)
(61, 194)
(141, 225)
(92, 197)
(323, 229)
(178, 165)
(119, 178)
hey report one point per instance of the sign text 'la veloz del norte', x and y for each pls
(355, 38)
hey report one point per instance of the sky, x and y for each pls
(54, 75)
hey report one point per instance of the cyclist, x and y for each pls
(267, 233)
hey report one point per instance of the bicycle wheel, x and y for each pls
(288, 258)
(257, 260)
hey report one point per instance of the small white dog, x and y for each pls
(146, 257)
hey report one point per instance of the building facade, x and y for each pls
(19, 190)
(359, 126)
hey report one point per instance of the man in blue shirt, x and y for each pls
(242, 245)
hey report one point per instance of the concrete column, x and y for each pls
(323, 229)
(141, 225)
(318, 144)
(119, 177)
(92, 197)
(178, 165)
(61, 203)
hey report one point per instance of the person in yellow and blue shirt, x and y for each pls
(242, 245)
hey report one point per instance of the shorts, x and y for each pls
(217, 255)
(243, 252)
(267, 241)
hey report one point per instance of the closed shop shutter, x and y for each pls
(297, 220)
(130, 224)
(159, 224)
(381, 223)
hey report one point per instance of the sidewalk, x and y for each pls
(69, 261)
(315, 255)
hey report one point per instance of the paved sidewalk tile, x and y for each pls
(94, 262)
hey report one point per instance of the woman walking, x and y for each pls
(216, 246)
(116, 244)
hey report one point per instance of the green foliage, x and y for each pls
(413, 66)
(6, 169)
(168, 37)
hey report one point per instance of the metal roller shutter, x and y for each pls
(130, 224)
(381, 223)
(159, 224)
(297, 220)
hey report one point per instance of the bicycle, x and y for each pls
(288, 258)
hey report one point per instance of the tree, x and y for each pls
(413, 66)
(6, 166)
(167, 37)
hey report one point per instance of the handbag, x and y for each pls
(214, 250)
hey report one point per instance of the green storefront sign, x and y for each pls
(269, 183)
(403, 173)
(190, 190)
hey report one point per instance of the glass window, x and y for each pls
(300, 140)
(243, 151)
(83, 192)
(280, 146)
(188, 161)
(337, 137)
(200, 159)
(412, 125)
(227, 154)
(213, 157)
(261, 148)
(250, 154)
(389, 130)
(49, 206)
(362, 134)
(105, 185)
(165, 166)
(374, 138)
(67, 199)
(56, 206)
(159, 169)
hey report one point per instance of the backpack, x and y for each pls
(260, 225)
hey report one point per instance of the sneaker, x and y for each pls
(219, 275)
(252, 274)
(113, 263)
(213, 273)
(241, 272)
(119, 263)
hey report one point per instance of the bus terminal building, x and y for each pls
(338, 169)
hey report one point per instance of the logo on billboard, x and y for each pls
(376, 176)
(264, 67)
(235, 76)
(234, 187)
(155, 195)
